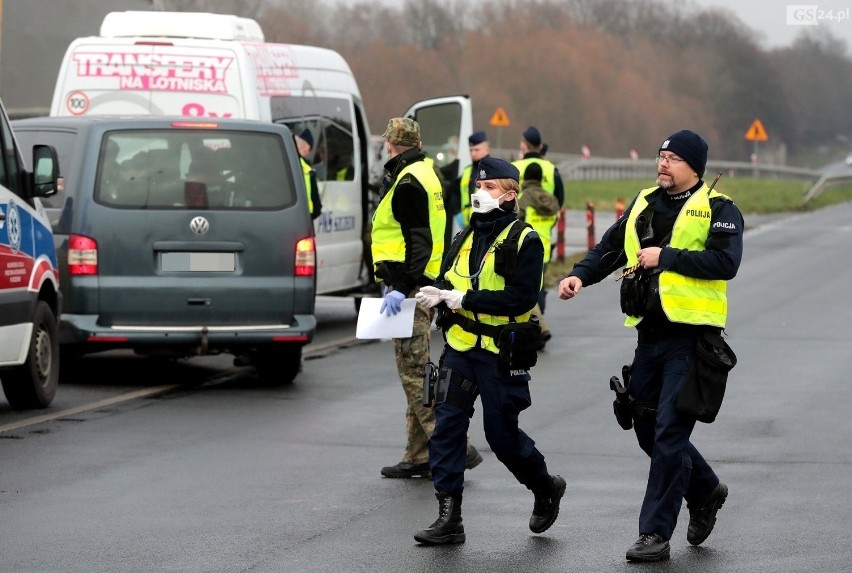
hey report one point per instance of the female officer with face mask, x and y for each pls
(490, 278)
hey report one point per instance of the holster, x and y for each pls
(430, 377)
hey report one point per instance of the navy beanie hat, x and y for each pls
(532, 136)
(690, 146)
(477, 138)
(493, 168)
(306, 135)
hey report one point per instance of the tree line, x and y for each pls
(613, 75)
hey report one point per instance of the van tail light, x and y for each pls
(82, 255)
(306, 260)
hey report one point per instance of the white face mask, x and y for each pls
(483, 202)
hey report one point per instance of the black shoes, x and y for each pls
(649, 547)
(702, 520)
(403, 470)
(448, 527)
(474, 458)
(546, 507)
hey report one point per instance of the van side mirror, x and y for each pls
(45, 171)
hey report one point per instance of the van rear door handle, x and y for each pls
(199, 301)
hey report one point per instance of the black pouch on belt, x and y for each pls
(704, 388)
(518, 343)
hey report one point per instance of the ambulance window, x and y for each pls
(10, 169)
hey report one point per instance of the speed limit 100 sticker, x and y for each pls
(77, 103)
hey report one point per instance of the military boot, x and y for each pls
(448, 527)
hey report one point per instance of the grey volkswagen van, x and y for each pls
(179, 237)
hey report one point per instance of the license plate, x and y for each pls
(197, 262)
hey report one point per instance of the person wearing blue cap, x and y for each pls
(487, 285)
(465, 184)
(681, 242)
(551, 182)
(304, 144)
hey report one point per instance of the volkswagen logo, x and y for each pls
(199, 225)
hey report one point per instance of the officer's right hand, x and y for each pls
(569, 286)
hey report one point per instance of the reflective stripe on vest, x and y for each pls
(684, 299)
(458, 274)
(387, 242)
(306, 171)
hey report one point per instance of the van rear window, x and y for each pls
(194, 169)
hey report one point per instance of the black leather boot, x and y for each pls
(448, 527)
(546, 507)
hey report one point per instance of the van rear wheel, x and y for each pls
(277, 365)
(33, 384)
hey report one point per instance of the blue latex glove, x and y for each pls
(459, 220)
(392, 303)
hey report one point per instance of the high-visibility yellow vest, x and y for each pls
(388, 243)
(306, 172)
(464, 194)
(459, 275)
(684, 299)
(543, 224)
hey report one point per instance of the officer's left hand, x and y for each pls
(453, 298)
(392, 303)
(428, 296)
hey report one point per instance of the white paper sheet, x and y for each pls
(372, 324)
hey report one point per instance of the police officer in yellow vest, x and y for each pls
(465, 184)
(551, 182)
(489, 282)
(407, 244)
(304, 144)
(683, 242)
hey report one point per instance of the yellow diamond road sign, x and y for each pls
(756, 132)
(499, 119)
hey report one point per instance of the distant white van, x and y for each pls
(219, 66)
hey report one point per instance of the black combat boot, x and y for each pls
(546, 507)
(448, 527)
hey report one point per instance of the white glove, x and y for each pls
(428, 296)
(453, 298)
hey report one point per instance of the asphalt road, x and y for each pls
(220, 475)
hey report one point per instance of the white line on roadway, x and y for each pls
(87, 407)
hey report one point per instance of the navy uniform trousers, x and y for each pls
(503, 399)
(678, 471)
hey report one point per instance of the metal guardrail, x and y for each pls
(575, 168)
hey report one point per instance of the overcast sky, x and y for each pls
(769, 18)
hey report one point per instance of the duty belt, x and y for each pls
(475, 327)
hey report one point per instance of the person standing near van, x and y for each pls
(465, 185)
(304, 144)
(681, 242)
(407, 245)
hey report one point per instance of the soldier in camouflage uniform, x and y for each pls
(407, 243)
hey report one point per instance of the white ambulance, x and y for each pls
(216, 65)
(29, 277)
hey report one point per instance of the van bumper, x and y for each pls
(84, 331)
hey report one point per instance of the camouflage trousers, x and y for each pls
(411, 354)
